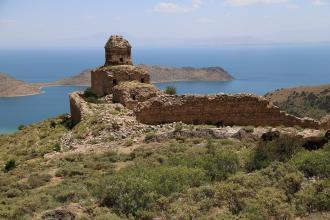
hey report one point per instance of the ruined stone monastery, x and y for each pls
(130, 85)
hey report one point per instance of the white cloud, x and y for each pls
(171, 7)
(320, 2)
(237, 3)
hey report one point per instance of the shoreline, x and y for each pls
(41, 91)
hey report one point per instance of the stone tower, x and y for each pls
(117, 51)
(118, 68)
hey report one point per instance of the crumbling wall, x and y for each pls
(78, 107)
(105, 78)
(131, 93)
(325, 122)
(221, 109)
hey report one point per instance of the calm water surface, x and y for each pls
(30, 109)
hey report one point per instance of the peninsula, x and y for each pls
(10, 87)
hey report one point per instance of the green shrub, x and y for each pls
(21, 127)
(284, 176)
(218, 165)
(70, 192)
(281, 149)
(57, 147)
(52, 124)
(221, 165)
(149, 137)
(315, 163)
(268, 203)
(12, 193)
(170, 90)
(136, 189)
(128, 143)
(314, 197)
(248, 195)
(36, 180)
(10, 165)
(178, 127)
(90, 96)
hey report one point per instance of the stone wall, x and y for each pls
(221, 109)
(78, 107)
(131, 93)
(325, 122)
(105, 78)
(115, 57)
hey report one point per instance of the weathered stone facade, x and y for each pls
(117, 51)
(105, 78)
(221, 109)
(78, 107)
(131, 93)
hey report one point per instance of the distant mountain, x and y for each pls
(11, 87)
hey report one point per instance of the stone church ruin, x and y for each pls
(130, 85)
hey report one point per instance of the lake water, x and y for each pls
(257, 69)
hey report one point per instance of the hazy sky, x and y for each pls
(162, 23)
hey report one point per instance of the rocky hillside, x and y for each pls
(10, 87)
(168, 74)
(311, 101)
(110, 166)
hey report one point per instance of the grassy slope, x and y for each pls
(311, 102)
(185, 178)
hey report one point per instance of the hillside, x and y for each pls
(11, 87)
(312, 101)
(169, 74)
(110, 166)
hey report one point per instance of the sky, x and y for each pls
(162, 23)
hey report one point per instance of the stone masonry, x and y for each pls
(78, 107)
(131, 93)
(117, 51)
(221, 109)
(105, 78)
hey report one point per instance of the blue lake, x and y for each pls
(25, 110)
(257, 69)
